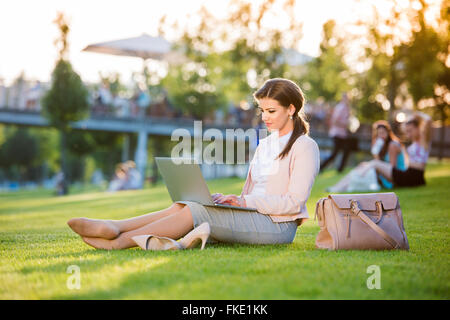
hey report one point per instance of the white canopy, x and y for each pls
(144, 46)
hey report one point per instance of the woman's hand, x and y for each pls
(216, 196)
(229, 199)
(363, 167)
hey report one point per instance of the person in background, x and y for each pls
(386, 147)
(61, 184)
(339, 133)
(418, 131)
(120, 178)
(104, 94)
(134, 177)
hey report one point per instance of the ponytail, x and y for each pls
(301, 127)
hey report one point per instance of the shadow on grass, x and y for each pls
(187, 268)
(110, 200)
(40, 249)
(193, 269)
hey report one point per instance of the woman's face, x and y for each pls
(120, 173)
(382, 133)
(275, 116)
(412, 132)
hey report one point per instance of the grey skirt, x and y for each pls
(240, 226)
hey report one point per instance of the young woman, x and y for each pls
(385, 147)
(418, 131)
(278, 185)
(390, 149)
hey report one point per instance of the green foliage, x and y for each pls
(20, 149)
(193, 87)
(108, 150)
(426, 54)
(327, 74)
(397, 60)
(422, 66)
(66, 101)
(113, 82)
(367, 108)
(2, 134)
(38, 160)
(48, 140)
(230, 57)
(80, 142)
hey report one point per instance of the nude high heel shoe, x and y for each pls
(152, 242)
(193, 238)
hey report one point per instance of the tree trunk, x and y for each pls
(156, 152)
(391, 93)
(63, 188)
(442, 138)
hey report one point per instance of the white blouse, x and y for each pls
(417, 153)
(263, 160)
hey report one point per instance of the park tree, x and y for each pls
(327, 75)
(427, 64)
(35, 162)
(257, 50)
(192, 85)
(13, 155)
(377, 86)
(66, 101)
(107, 150)
(405, 58)
(229, 57)
(192, 89)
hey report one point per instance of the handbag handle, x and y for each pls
(356, 210)
(380, 215)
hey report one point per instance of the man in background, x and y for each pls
(338, 131)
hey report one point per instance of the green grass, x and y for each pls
(37, 247)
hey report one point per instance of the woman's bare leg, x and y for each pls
(172, 226)
(140, 221)
(383, 168)
(111, 229)
(342, 185)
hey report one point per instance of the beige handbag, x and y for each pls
(360, 221)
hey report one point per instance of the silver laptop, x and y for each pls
(185, 182)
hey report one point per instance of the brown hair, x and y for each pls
(391, 136)
(415, 121)
(286, 92)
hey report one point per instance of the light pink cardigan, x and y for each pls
(289, 188)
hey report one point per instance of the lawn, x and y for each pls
(37, 247)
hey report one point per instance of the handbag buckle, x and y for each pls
(354, 207)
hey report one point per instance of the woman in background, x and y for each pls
(418, 131)
(386, 147)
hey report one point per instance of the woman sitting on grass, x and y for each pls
(385, 147)
(418, 131)
(278, 185)
(391, 151)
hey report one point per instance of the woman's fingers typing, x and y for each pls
(229, 199)
(215, 196)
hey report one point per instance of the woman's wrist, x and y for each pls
(242, 202)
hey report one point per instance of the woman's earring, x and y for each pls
(290, 117)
